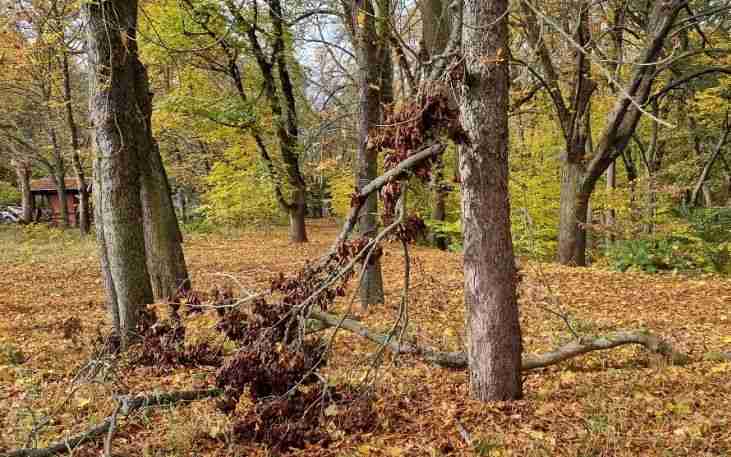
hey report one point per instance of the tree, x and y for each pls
(579, 170)
(23, 171)
(494, 348)
(370, 33)
(138, 238)
(225, 39)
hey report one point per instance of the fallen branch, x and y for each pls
(128, 405)
(530, 361)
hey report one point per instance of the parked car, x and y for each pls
(10, 214)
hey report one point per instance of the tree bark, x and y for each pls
(435, 33)
(83, 218)
(120, 142)
(494, 347)
(297, 212)
(23, 171)
(163, 239)
(458, 360)
(368, 53)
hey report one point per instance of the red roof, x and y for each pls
(48, 185)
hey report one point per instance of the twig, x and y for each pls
(110, 433)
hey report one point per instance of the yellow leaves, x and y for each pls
(82, 402)
(389, 451)
(394, 451)
(7, 374)
(681, 408)
(360, 18)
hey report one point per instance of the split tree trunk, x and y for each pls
(120, 140)
(163, 239)
(494, 347)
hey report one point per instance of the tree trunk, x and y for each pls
(610, 214)
(494, 348)
(119, 142)
(366, 38)
(83, 217)
(571, 236)
(59, 178)
(163, 239)
(435, 33)
(183, 205)
(23, 170)
(297, 212)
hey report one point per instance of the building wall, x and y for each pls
(55, 205)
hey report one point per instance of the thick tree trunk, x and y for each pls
(366, 41)
(163, 239)
(23, 171)
(120, 140)
(83, 217)
(494, 347)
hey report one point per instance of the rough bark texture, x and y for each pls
(120, 142)
(163, 239)
(494, 347)
(370, 98)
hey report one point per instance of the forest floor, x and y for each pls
(619, 402)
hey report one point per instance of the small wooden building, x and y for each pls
(45, 194)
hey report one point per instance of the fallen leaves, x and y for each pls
(621, 402)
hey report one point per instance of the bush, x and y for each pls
(9, 195)
(675, 253)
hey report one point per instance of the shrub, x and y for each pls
(9, 195)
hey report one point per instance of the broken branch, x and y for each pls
(569, 350)
(128, 405)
